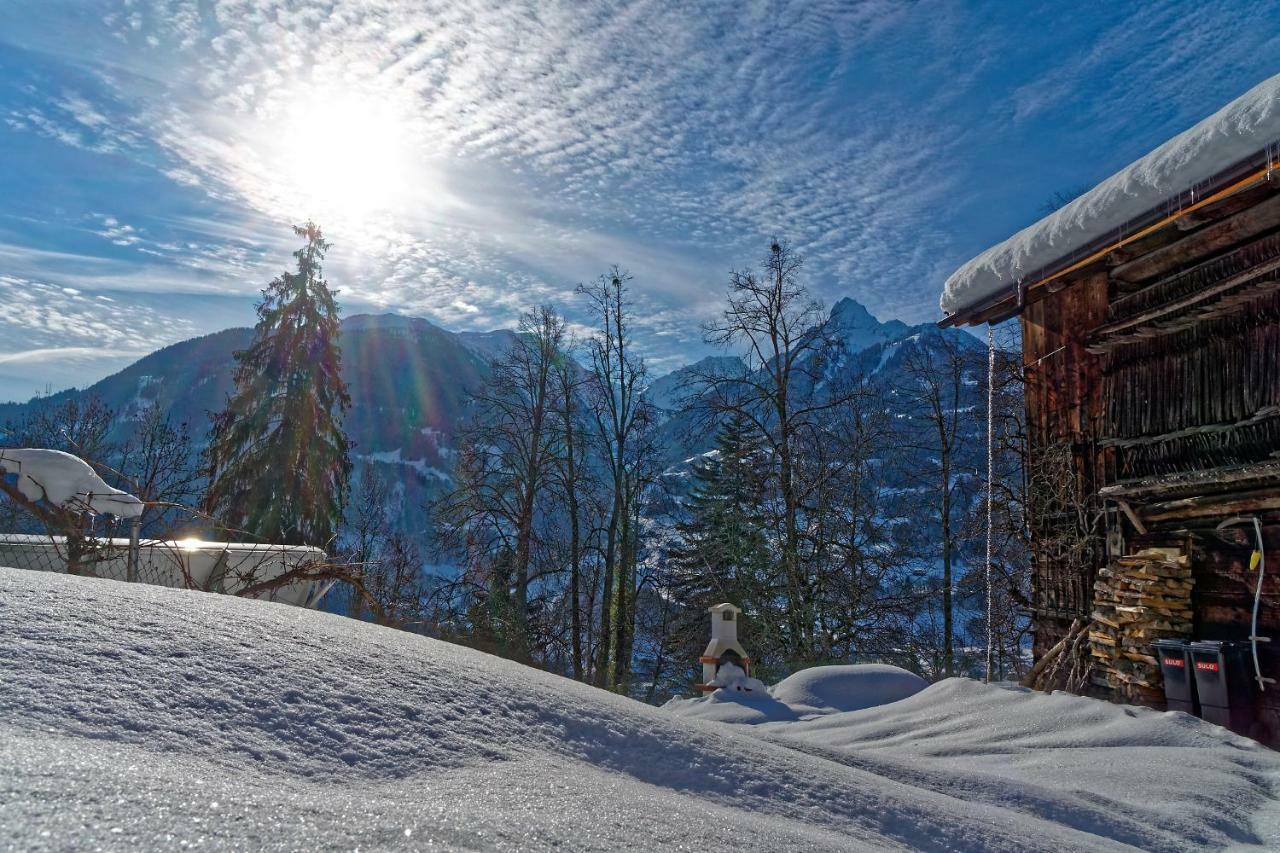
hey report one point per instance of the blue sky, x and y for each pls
(471, 159)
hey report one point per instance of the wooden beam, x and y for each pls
(1252, 477)
(1221, 235)
(1237, 302)
(1203, 295)
(1213, 506)
(1230, 206)
(1132, 516)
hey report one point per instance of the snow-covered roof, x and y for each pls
(1190, 161)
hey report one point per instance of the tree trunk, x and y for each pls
(603, 671)
(948, 653)
(532, 479)
(575, 547)
(791, 533)
(624, 607)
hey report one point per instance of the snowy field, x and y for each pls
(137, 717)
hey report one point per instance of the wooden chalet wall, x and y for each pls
(1160, 368)
(1064, 407)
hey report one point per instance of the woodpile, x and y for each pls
(1138, 599)
(1066, 666)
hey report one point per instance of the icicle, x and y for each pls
(991, 454)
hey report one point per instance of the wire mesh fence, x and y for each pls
(71, 537)
(274, 572)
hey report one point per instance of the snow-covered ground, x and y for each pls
(139, 717)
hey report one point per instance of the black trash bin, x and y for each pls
(1179, 678)
(1224, 682)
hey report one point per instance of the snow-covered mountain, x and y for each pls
(669, 392)
(865, 347)
(411, 383)
(859, 330)
(136, 717)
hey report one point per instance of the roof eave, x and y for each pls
(1008, 302)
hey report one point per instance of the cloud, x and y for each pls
(37, 316)
(68, 356)
(537, 142)
(539, 128)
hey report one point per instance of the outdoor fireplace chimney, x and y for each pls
(724, 647)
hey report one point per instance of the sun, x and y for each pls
(345, 158)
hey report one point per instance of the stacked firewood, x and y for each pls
(1066, 665)
(1138, 599)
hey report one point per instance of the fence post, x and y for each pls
(135, 528)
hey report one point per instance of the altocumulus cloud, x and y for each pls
(521, 147)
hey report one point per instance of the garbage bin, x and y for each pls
(1179, 678)
(1224, 682)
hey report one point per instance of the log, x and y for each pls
(1144, 597)
(1049, 657)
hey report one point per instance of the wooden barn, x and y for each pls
(1150, 319)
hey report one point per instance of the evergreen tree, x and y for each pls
(278, 460)
(724, 506)
(723, 553)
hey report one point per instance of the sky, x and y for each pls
(471, 159)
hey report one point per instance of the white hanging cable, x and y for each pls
(1257, 560)
(991, 454)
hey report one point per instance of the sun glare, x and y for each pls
(344, 158)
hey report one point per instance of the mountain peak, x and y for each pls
(859, 328)
(387, 320)
(850, 307)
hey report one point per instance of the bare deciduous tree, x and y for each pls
(782, 334)
(933, 395)
(506, 468)
(157, 464)
(620, 416)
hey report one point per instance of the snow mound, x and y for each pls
(809, 692)
(827, 689)
(141, 717)
(734, 678)
(1246, 126)
(66, 481)
(1155, 780)
(727, 706)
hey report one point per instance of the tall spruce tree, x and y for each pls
(723, 552)
(278, 461)
(724, 507)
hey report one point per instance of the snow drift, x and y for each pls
(141, 717)
(824, 689)
(808, 693)
(1246, 126)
